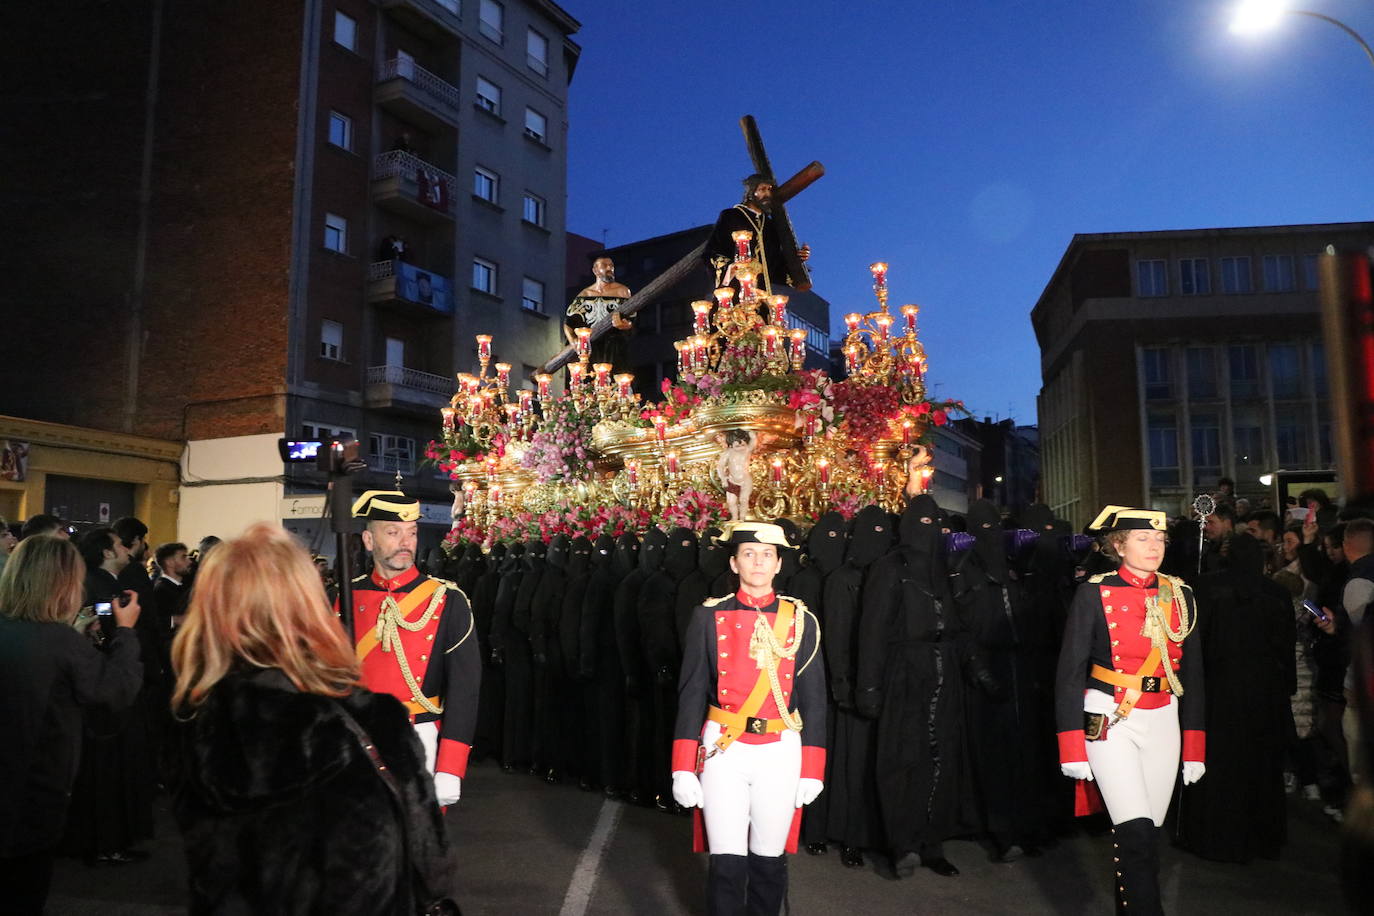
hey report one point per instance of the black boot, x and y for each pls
(767, 884)
(727, 881)
(1135, 861)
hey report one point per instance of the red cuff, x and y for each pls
(452, 758)
(685, 755)
(813, 762)
(1072, 747)
(1195, 746)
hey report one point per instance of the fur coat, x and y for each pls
(283, 811)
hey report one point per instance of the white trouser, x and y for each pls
(1137, 763)
(751, 794)
(428, 733)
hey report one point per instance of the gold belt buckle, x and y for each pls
(756, 726)
(1149, 685)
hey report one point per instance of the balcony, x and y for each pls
(434, 19)
(407, 391)
(409, 186)
(413, 94)
(409, 290)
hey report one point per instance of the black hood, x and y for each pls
(825, 544)
(515, 555)
(497, 554)
(535, 552)
(602, 548)
(713, 557)
(921, 538)
(680, 555)
(870, 537)
(559, 550)
(791, 559)
(580, 556)
(1245, 557)
(625, 557)
(651, 550)
(985, 524)
(1037, 517)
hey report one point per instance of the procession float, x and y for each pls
(744, 432)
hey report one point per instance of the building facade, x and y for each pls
(1172, 359)
(1009, 460)
(299, 217)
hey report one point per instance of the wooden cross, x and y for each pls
(665, 281)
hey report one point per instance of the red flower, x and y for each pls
(940, 417)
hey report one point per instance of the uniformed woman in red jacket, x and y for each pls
(1128, 698)
(749, 744)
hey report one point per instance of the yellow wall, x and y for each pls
(151, 465)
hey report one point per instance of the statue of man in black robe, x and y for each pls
(751, 214)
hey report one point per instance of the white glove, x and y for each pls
(447, 788)
(687, 789)
(1193, 770)
(1077, 770)
(807, 790)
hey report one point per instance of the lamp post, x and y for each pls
(1254, 16)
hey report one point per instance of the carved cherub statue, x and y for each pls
(733, 469)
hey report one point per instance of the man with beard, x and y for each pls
(602, 300)
(415, 639)
(751, 214)
(908, 678)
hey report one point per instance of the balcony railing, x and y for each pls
(431, 292)
(415, 184)
(413, 379)
(411, 72)
(392, 463)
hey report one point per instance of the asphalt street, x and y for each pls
(530, 848)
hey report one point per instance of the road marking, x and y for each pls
(583, 882)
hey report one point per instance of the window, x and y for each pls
(1152, 278)
(391, 453)
(533, 209)
(1235, 276)
(488, 96)
(532, 296)
(345, 31)
(311, 429)
(486, 184)
(1283, 371)
(1248, 440)
(1163, 444)
(536, 126)
(1278, 273)
(1309, 272)
(336, 233)
(1193, 277)
(1202, 372)
(1157, 384)
(1205, 432)
(1325, 456)
(1245, 378)
(1290, 441)
(492, 21)
(341, 130)
(331, 339)
(1319, 382)
(537, 52)
(484, 276)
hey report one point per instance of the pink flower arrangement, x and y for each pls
(560, 449)
(695, 509)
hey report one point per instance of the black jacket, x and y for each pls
(48, 672)
(283, 811)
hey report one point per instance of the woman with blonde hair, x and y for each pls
(296, 789)
(48, 672)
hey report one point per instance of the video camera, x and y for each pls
(333, 456)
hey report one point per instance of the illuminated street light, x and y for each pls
(1255, 16)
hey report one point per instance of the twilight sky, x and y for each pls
(965, 143)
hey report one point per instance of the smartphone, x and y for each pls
(1297, 514)
(104, 608)
(1315, 611)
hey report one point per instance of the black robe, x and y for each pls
(663, 625)
(517, 588)
(1237, 811)
(640, 778)
(721, 245)
(492, 698)
(909, 679)
(853, 817)
(578, 725)
(598, 660)
(1003, 719)
(546, 609)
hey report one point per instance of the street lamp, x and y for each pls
(1255, 16)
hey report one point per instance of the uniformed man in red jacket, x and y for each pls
(415, 639)
(749, 744)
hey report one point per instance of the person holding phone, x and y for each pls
(48, 673)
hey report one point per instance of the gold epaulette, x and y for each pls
(799, 604)
(712, 602)
(447, 584)
(1099, 577)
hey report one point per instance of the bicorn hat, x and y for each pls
(1124, 518)
(736, 533)
(386, 506)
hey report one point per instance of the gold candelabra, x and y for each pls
(874, 355)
